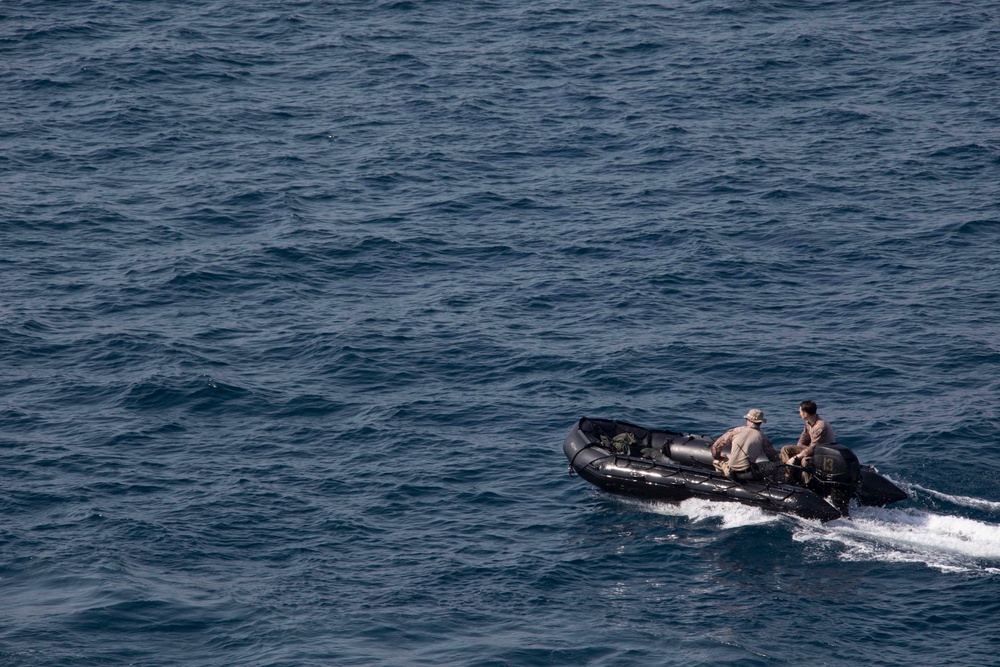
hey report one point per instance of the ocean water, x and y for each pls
(299, 300)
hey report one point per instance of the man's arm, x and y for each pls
(725, 440)
(769, 451)
(817, 434)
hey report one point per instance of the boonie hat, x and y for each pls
(756, 416)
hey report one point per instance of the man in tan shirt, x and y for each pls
(815, 432)
(746, 445)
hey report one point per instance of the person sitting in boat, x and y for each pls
(815, 432)
(746, 445)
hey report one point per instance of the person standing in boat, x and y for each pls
(815, 432)
(746, 445)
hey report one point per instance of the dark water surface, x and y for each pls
(299, 300)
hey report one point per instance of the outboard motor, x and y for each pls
(836, 473)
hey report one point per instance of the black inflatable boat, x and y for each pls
(624, 458)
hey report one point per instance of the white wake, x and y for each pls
(947, 543)
(944, 542)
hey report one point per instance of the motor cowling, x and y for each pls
(836, 472)
(837, 464)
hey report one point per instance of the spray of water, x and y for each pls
(947, 543)
(730, 515)
(944, 542)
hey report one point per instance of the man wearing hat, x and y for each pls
(745, 444)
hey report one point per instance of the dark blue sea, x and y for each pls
(299, 299)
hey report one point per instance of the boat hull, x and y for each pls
(686, 471)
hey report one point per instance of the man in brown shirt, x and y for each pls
(815, 432)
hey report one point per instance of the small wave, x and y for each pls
(965, 501)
